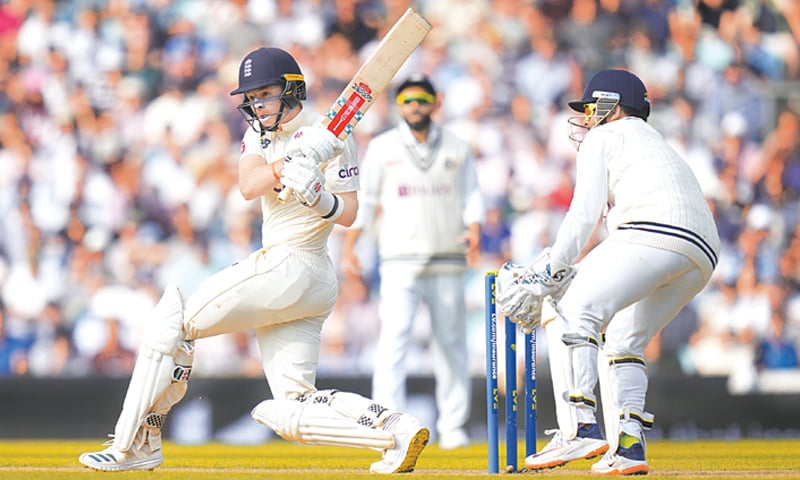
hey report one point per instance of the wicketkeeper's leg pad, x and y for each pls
(582, 358)
(569, 396)
(623, 387)
(327, 417)
(158, 382)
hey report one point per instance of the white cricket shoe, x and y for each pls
(627, 460)
(146, 457)
(588, 444)
(410, 438)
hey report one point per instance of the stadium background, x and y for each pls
(118, 150)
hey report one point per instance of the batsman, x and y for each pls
(284, 291)
(660, 249)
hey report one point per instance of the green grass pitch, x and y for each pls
(57, 460)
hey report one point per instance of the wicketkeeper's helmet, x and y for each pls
(606, 90)
(622, 85)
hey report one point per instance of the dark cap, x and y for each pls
(417, 80)
(632, 92)
(266, 66)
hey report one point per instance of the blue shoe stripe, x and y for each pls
(103, 457)
(634, 452)
(590, 430)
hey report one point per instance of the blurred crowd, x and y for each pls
(119, 144)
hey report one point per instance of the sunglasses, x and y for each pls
(589, 109)
(421, 98)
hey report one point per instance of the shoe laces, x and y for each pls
(608, 457)
(557, 440)
(390, 422)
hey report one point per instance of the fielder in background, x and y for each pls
(422, 180)
(661, 248)
(284, 291)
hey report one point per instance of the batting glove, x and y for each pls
(304, 177)
(316, 143)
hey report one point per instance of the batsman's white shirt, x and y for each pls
(286, 289)
(291, 224)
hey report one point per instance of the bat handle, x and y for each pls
(284, 194)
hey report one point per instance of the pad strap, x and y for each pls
(645, 419)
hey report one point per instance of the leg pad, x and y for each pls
(327, 417)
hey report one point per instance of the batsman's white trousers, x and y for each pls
(285, 295)
(402, 292)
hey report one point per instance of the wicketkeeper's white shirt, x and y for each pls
(650, 195)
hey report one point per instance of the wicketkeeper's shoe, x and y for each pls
(146, 457)
(589, 443)
(627, 460)
(410, 438)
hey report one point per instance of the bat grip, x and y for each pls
(285, 194)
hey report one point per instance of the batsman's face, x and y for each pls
(416, 105)
(265, 102)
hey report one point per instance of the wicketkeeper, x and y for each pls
(661, 249)
(284, 291)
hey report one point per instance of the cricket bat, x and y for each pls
(373, 77)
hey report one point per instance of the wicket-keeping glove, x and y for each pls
(521, 291)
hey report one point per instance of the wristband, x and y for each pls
(330, 206)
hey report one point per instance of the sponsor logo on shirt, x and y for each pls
(425, 190)
(348, 171)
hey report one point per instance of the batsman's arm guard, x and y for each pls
(162, 368)
(327, 417)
